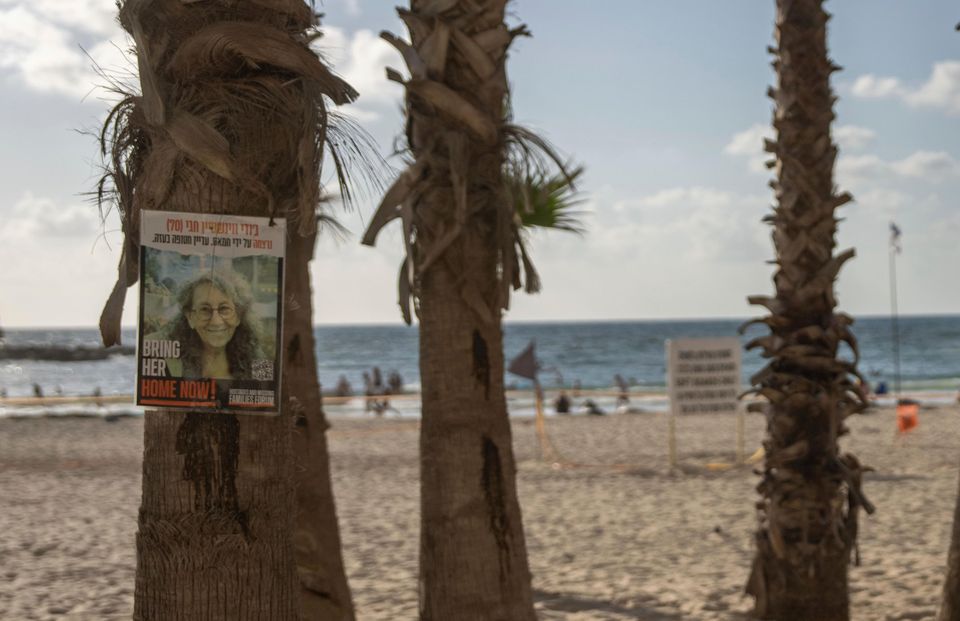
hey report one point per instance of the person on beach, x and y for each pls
(373, 388)
(623, 398)
(562, 403)
(591, 408)
(367, 392)
(395, 383)
(862, 387)
(217, 329)
(379, 390)
(343, 388)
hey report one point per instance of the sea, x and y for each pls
(588, 354)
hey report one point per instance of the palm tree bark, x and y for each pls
(231, 120)
(950, 605)
(324, 593)
(810, 491)
(473, 563)
(213, 543)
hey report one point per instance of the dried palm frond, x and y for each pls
(217, 112)
(539, 191)
(458, 123)
(329, 224)
(357, 162)
(528, 154)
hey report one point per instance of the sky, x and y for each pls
(663, 102)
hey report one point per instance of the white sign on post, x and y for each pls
(703, 377)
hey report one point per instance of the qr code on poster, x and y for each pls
(263, 370)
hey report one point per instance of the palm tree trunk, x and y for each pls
(213, 541)
(950, 605)
(324, 593)
(231, 120)
(810, 492)
(473, 563)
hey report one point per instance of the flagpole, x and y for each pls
(539, 422)
(894, 318)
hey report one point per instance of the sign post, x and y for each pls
(703, 377)
(740, 433)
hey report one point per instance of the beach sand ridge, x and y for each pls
(620, 536)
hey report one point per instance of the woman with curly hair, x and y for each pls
(217, 328)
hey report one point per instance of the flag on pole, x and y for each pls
(525, 364)
(895, 237)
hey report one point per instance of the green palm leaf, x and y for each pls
(548, 201)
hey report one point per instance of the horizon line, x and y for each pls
(399, 323)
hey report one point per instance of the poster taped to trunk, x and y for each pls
(211, 292)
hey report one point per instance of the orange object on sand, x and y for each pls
(907, 416)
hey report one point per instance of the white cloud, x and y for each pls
(692, 222)
(362, 59)
(749, 144)
(852, 137)
(941, 90)
(851, 167)
(926, 165)
(60, 270)
(93, 16)
(871, 87)
(685, 197)
(34, 217)
(749, 141)
(46, 56)
(886, 203)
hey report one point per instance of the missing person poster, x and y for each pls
(211, 291)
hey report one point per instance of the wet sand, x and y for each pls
(619, 537)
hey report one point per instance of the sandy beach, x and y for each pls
(620, 537)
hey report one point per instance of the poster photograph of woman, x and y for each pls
(210, 311)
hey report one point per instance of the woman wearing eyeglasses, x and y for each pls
(217, 328)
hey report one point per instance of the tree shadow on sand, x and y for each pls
(560, 602)
(572, 603)
(881, 477)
